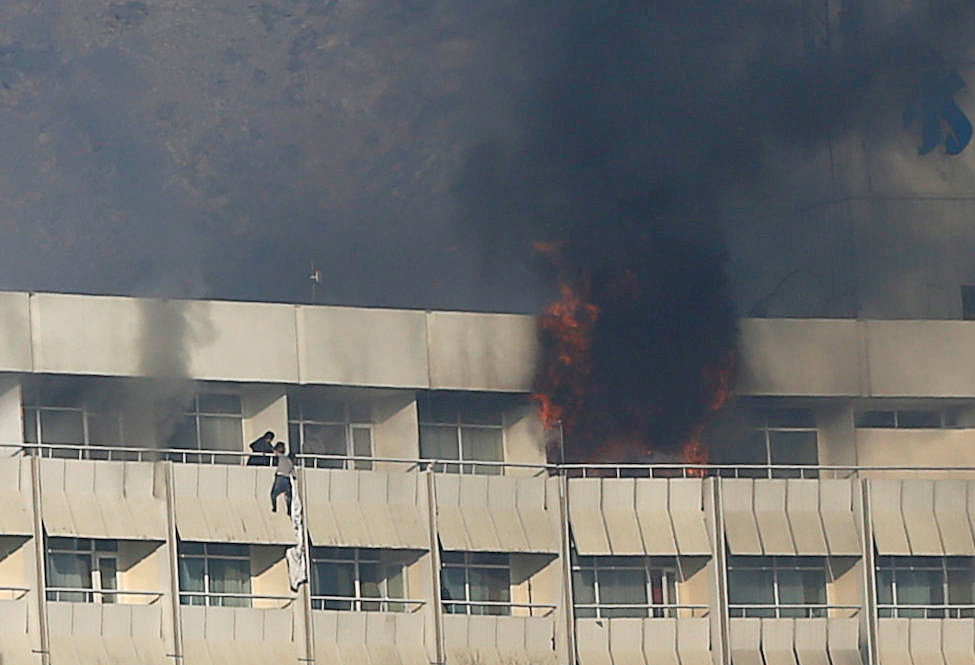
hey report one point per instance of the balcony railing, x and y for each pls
(83, 595)
(926, 611)
(366, 604)
(787, 611)
(638, 610)
(216, 599)
(495, 607)
(667, 470)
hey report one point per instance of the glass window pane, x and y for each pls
(322, 410)
(438, 408)
(69, 570)
(362, 446)
(584, 588)
(191, 572)
(30, 426)
(228, 549)
(876, 419)
(481, 444)
(919, 419)
(186, 547)
(791, 418)
(622, 587)
(62, 427)
(104, 429)
(490, 558)
(961, 587)
(481, 410)
(221, 433)
(230, 576)
(336, 579)
(325, 440)
(885, 587)
(184, 433)
(453, 587)
(490, 584)
(219, 403)
(750, 587)
(438, 442)
(751, 450)
(793, 447)
(107, 571)
(919, 587)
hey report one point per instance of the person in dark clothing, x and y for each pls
(263, 448)
(282, 476)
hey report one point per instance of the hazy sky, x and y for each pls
(413, 149)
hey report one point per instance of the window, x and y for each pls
(927, 586)
(905, 419)
(340, 573)
(81, 563)
(968, 302)
(66, 415)
(623, 586)
(212, 421)
(214, 574)
(475, 583)
(779, 437)
(322, 427)
(776, 586)
(462, 427)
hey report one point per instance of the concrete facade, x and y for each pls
(886, 404)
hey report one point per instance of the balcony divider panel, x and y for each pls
(592, 642)
(16, 643)
(16, 518)
(893, 641)
(450, 520)
(477, 517)
(746, 641)
(586, 517)
(889, 532)
(626, 641)
(917, 503)
(926, 639)
(843, 641)
(839, 521)
(687, 513)
(778, 641)
(958, 641)
(740, 524)
(619, 515)
(770, 513)
(653, 514)
(810, 642)
(660, 641)
(951, 515)
(802, 508)
(694, 641)
(503, 506)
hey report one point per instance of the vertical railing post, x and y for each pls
(565, 555)
(40, 560)
(435, 566)
(869, 570)
(173, 562)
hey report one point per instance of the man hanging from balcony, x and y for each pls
(282, 476)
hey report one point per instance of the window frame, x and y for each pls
(465, 464)
(95, 556)
(217, 455)
(359, 602)
(938, 564)
(350, 424)
(768, 430)
(667, 573)
(186, 597)
(33, 407)
(774, 566)
(466, 605)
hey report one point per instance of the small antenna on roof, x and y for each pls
(316, 280)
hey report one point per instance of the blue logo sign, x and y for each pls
(941, 119)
